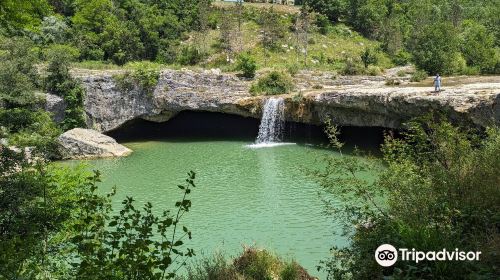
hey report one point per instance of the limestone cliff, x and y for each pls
(352, 101)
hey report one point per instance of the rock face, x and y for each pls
(56, 106)
(349, 101)
(82, 143)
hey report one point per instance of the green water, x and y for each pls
(245, 196)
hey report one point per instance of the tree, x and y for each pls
(247, 64)
(18, 74)
(333, 9)
(303, 25)
(436, 187)
(272, 29)
(436, 49)
(18, 15)
(54, 224)
(369, 56)
(60, 82)
(477, 46)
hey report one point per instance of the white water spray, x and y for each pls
(273, 121)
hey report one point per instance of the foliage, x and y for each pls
(369, 57)
(60, 82)
(252, 264)
(215, 267)
(125, 246)
(273, 29)
(429, 30)
(247, 64)
(18, 75)
(190, 55)
(27, 128)
(436, 49)
(17, 15)
(478, 47)
(34, 208)
(272, 84)
(333, 9)
(439, 189)
(418, 76)
(144, 79)
(54, 224)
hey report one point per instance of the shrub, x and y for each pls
(144, 79)
(368, 57)
(478, 46)
(392, 82)
(27, 128)
(435, 51)
(272, 84)
(190, 55)
(60, 82)
(418, 76)
(246, 63)
(352, 67)
(373, 70)
(293, 69)
(440, 190)
(290, 272)
(215, 267)
(402, 58)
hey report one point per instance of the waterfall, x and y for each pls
(273, 121)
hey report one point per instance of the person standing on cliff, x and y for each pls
(437, 83)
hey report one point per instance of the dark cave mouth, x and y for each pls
(204, 126)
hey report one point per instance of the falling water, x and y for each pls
(273, 121)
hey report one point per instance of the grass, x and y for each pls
(252, 264)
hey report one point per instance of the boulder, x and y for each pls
(82, 143)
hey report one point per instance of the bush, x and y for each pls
(352, 67)
(144, 79)
(215, 267)
(190, 55)
(418, 76)
(252, 264)
(402, 58)
(373, 70)
(27, 128)
(18, 73)
(478, 47)
(60, 82)
(440, 190)
(436, 51)
(272, 84)
(368, 57)
(247, 64)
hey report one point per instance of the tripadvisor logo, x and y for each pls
(386, 255)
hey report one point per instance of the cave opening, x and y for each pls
(202, 126)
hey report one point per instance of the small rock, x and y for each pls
(82, 143)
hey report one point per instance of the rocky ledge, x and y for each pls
(349, 101)
(82, 143)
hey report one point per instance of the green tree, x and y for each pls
(18, 15)
(436, 49)
(436, 187)
(18, 75)
(333, 9)
(477, 46)
(369, 56)
(60, 82)
(247, 64)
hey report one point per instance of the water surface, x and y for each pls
(244, 195)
